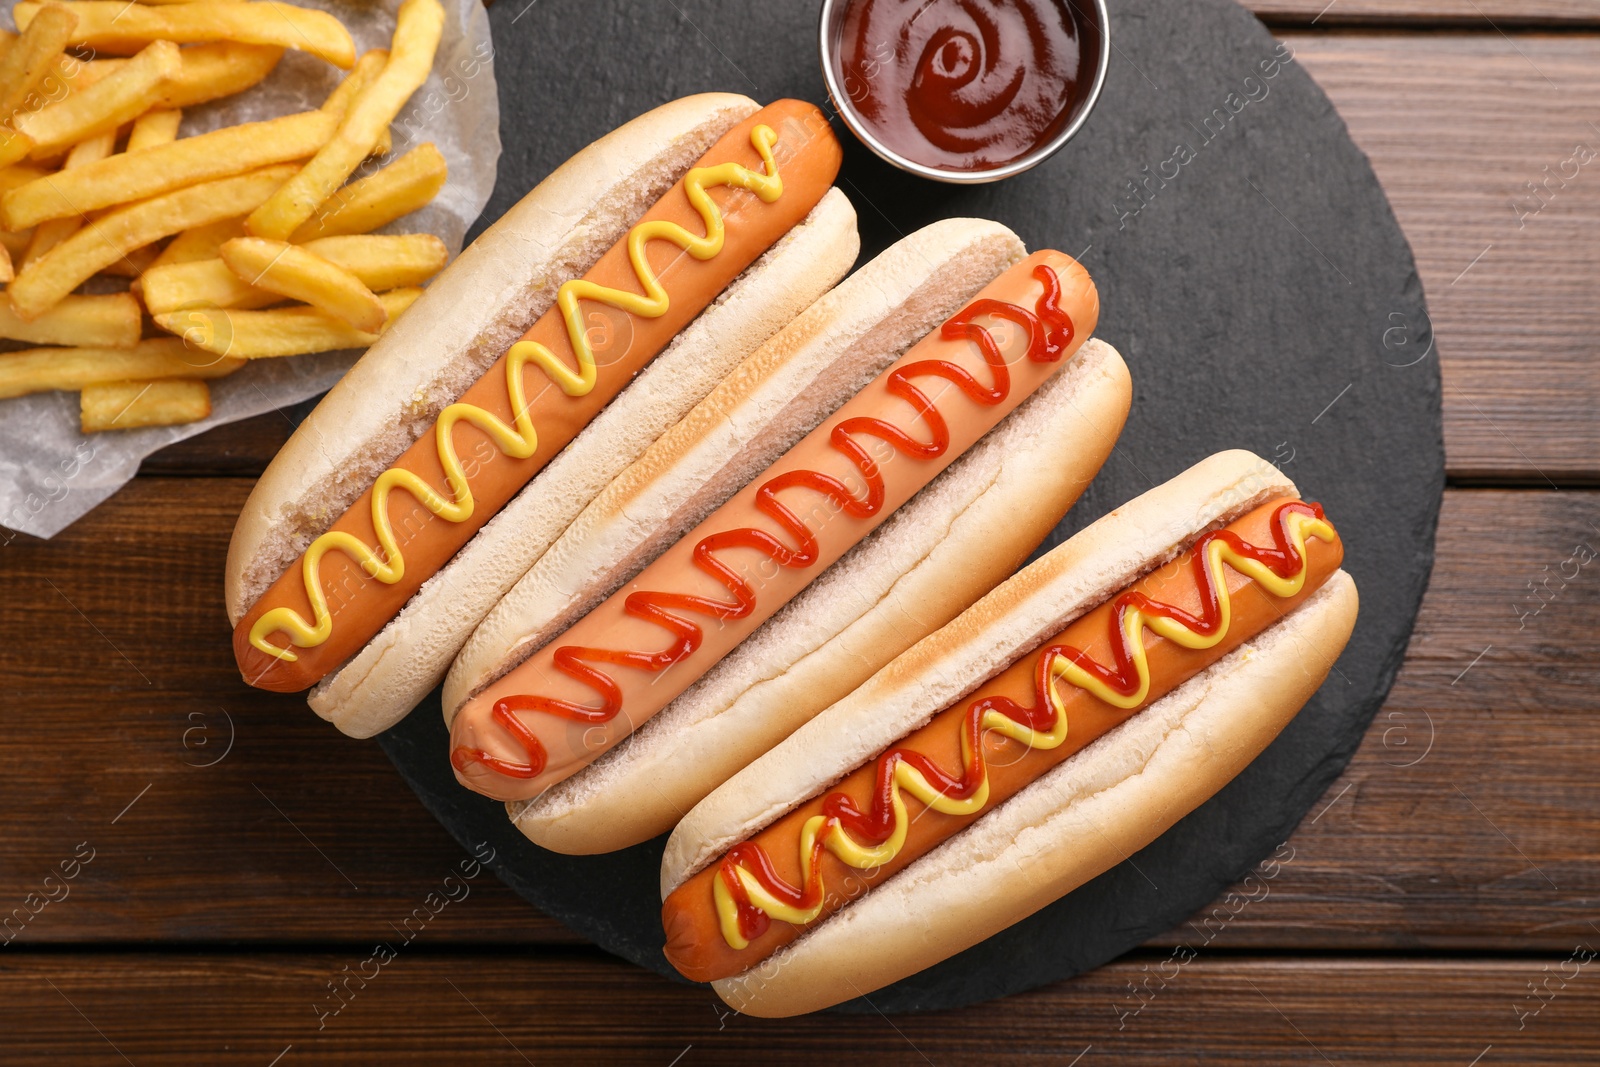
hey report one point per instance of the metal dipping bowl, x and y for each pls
(828, 30)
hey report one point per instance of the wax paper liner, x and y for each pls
(50, 474)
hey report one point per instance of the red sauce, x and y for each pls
(874, 826)
(1050, 332)
(966, 85)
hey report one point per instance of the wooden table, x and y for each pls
(231, 855)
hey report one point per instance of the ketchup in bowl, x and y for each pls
(966, 85)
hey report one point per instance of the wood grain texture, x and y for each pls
(586, 1008)
(240, 448)
(116, 641)
(1468, 818)
(1456, 125)
(1467, 14)
(1516, 331)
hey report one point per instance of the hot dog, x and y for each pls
(645, 644)
(419, 456)
(1057, 726)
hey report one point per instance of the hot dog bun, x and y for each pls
(401, 665)
(541, 722)
(472, 312)
(469, 315)
(777, 396)
(953, 542)
(1080, 818)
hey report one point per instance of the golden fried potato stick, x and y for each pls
(201, 242)
(128, 405)
(134, 263)
(404, 186)
(14, 146)
(164, 168)
(33, 56)
(7, 272)
(292, 271)
(49, 234)
(154, 127)
(368, 67)
(114, 235)
(381, 262)
(209, 71)
(119, 97)
(38, 370)
(110, 321)
(19, 174)
(292, 331)
(218, 69)
(110, 25)
(418, 26)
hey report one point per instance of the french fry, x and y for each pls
(128, 405)
(14, 146)
(38, 370)
(164, 168)
(7, 272)
(407, 184)
(386, 261)
(294, 331)
(201, 283)
(49, 234)
(117, 98)
(368, 67)
(111, 24)
(293, 272)
(19, 174)
(120, 232)
(134, 263)
(15, 244)
(110, 321)
(218, 69)
(154, 127)
(418, 26)
(33, 56)
(381, 262)
(201, 242)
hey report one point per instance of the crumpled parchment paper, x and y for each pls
(50, 474)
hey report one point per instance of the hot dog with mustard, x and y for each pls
(1057, 726)
(442, 425)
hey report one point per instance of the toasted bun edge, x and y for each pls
(1086, 815)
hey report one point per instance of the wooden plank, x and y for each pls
(585, 1008)
(1516, 330)
(1456, 126)
(1482, 15)
(113, 637)
(1467, 819)
(240, 448)
(117, 643)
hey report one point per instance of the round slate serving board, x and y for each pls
(1251, 273)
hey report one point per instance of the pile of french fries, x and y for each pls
(248, 242)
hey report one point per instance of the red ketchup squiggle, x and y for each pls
(1050, 333)
(876, 825)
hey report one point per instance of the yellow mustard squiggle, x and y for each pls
(835, 839)
(521, 440)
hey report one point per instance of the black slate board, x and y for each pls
(1259, 289)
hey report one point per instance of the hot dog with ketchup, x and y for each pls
(1057, 726)
(967, 530)
(760, 174)
(625, 660)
